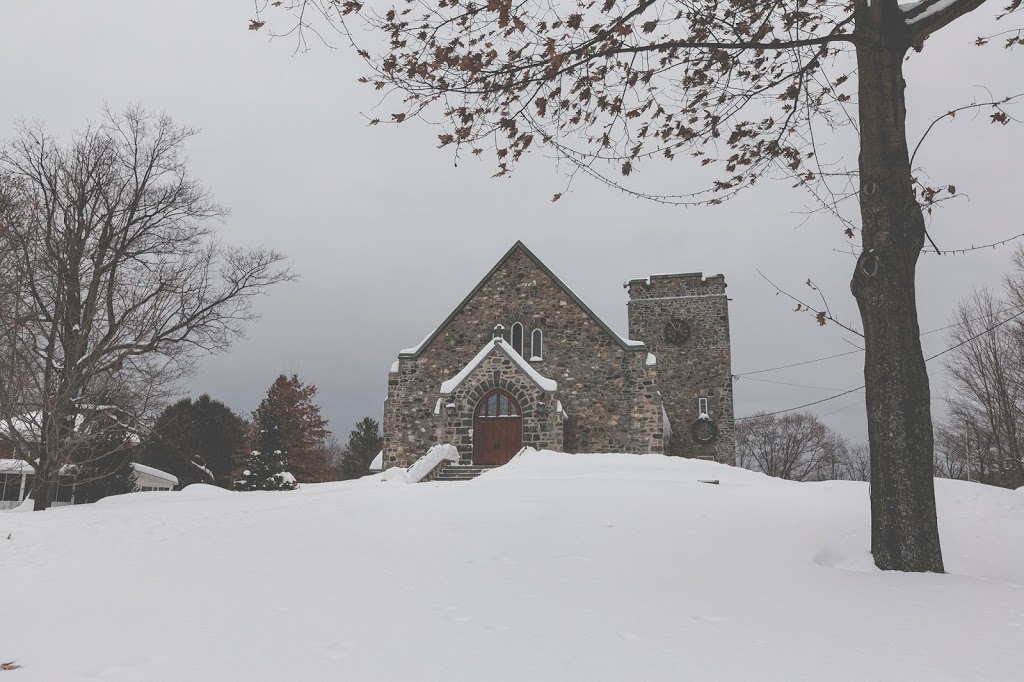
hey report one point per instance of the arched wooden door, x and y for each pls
(497, 428)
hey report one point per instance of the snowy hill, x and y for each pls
(554, 567)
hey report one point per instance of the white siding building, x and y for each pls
(16, 483)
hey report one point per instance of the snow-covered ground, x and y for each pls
(555, 567)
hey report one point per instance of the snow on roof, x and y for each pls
(16, 466)
(651, 360)
(549, 385)
(416, 349)
(378, 462)
(156, 473)
(26, 426)
(630, 342)
(29, 425)
(394, 368)
(666, 425)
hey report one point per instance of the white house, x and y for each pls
(16, 482)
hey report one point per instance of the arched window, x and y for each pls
(498, 403)
(537, 345)
(517, 337)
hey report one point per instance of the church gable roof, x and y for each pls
(625, 344)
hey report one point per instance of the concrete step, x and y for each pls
(461, 472)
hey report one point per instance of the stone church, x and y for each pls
(522, 361)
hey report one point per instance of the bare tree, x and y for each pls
(113, 282)
(858, 462)
(795, 446)
(984, 438)
(951, 447)
(745, 89)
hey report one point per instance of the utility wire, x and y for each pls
(928, 359)
(786, 383)
(797, 364)
(800, 407)
(861, 350)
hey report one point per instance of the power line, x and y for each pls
(859, 401)
(928, 359)
(976, 336)
(786, 383)
(861, 350)
(800, 407)
(797, 364)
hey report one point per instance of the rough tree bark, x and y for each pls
(904, 528)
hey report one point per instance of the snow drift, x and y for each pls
(554, 567)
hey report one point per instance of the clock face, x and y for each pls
(677, 332)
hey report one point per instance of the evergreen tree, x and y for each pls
(266, 471)
(290, 422)
(363, 445)
(199, 442)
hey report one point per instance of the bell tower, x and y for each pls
(684, 320)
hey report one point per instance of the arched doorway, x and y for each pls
(497, 428)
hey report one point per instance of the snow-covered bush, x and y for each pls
(266, 472)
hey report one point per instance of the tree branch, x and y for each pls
(929, 16)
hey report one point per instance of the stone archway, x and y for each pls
(497, 428)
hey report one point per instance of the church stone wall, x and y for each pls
(700, 366)
(608, 392)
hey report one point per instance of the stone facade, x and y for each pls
(684, 320)
(609, 394)
(540, 430)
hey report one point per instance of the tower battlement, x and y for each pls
(676, 285)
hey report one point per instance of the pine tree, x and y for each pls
(266, 471)
(199, 442)
(363, 445)
(289, 421)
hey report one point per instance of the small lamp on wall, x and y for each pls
(542, 408)
(450, 408)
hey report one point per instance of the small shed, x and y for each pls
(149, 479)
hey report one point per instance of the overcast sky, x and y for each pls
(388, 235)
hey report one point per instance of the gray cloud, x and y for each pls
(388, 235)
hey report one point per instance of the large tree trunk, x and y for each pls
(904, 528)
(43, 489)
